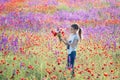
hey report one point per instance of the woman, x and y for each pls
(72, 45)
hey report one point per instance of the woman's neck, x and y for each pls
(73, 33)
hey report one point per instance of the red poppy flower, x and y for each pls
(54, 77)
(1, 71)
(3, 61)
(17, 72)
(14, 58)
(111, 63)
(30, 67)
(112, 71)
(62, 33)
(60, 70)
(48, 71)
(22, 79)
(5, 53)
(105, 64)
(54, 33)
(105, 74)
(93, 64)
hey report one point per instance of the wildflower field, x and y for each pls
(30, 51)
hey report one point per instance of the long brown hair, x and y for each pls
(75, 26)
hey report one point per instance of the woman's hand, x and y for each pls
(64, 41)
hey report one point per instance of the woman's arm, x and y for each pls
(73, 44)
(64, 41)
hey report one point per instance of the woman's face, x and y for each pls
(72, 30)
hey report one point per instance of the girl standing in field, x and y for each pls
(71, 44)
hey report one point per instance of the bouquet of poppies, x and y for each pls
(59, 33)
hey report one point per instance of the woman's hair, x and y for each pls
(75, 26)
